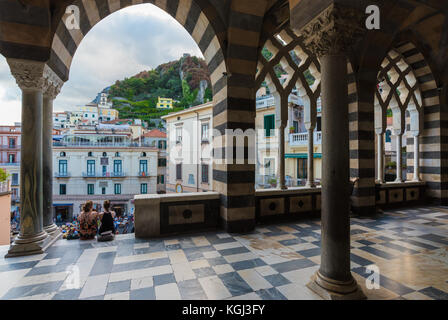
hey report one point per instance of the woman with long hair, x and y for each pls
(88, 222)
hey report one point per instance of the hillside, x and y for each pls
(186, 80)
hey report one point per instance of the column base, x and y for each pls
(53, 231)
(30, 245)
(330, 289)
(283, 188)
(310, 185)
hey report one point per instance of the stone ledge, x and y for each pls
(289, 191)
(401, 184)
(177, 197)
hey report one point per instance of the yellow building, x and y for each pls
(165, 103)
(296, 145)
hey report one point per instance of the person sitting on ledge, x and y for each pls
(107, 228)
(88, 222)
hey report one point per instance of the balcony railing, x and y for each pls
(301, 139)
(9, 146)
(100, 144)
(12, 164)
(103, 174)
(62, 174)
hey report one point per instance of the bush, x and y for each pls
(4, 175)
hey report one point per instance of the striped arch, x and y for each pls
(431, 145)
(187, 12)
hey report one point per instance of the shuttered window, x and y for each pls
(269, 124)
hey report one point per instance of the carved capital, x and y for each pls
(52, 84)
(334, 30)
(35, 75)
(28, 74)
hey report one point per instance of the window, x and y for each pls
(15, 179)
(204, 173)
(179, 171)
(90, 154)
(162, 162)
(143, 154)
(162, 179)
(388, 136)
(103, 190)
(117, 188)
(143, 167)
(104, 171)
(191, 179)
(117, 154)
(178, 135)
(296, 126)
(90, 189)
(204, 132)
(269, 124)
(62, 154)
(11, 158)
(160, 144)
(104, 154)
(302, 168)
(12, 142)
(62, 189)
(117, 166)
(144, 188)
(90, 167)
(62, 167)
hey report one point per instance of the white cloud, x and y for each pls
(131, 40)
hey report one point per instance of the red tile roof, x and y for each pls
(155, 133)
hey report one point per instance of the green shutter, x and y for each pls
(269, 124)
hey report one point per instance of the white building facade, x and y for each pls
(102, 173)
(189, 162)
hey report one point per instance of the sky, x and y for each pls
(126, 42)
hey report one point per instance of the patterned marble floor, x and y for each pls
(274, 262)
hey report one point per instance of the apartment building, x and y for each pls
(296, 143)
(10, 141)
(156, 138)
(101, 165)
(189, 167)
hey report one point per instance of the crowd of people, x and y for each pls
(102, 225)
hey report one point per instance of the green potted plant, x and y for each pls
(292, 130)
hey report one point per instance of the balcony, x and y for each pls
(62, 174)
(10, 146)
(103, 174)
(301, 139)
(9, 164)
(143, 174)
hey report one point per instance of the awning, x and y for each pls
(62, 204)
(301, 156)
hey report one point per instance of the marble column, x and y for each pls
(281, 156)
(52, 87)
(399, 145)
(32, 238)
(416, 158)
(310, 169)
(329, 35)
(380, 157)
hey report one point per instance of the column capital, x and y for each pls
(35, 75)
(334, 30)
(28, 73)
(53, 83)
